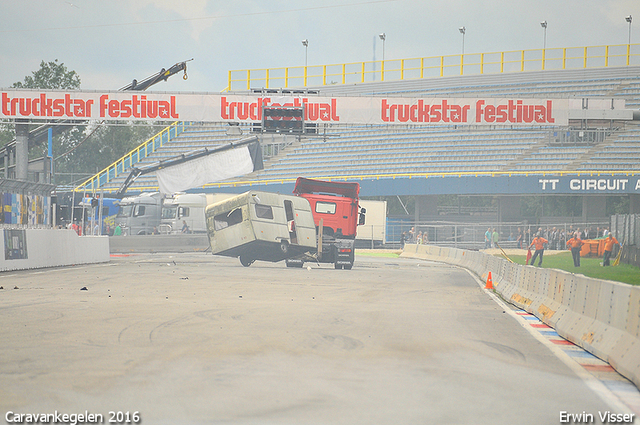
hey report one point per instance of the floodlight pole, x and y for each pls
(462, 30)
(629, 19)
(305, 43)
(543, 24)
(383, 37)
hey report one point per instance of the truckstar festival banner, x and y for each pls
(245, 108)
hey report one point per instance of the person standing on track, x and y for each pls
(575, 245)
(538, 242)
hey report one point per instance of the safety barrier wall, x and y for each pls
(159, 243)
(39, 248)
(601, 316)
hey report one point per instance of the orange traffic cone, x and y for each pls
(489, 282)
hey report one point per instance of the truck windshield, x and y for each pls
(169, 212)
(125, 210)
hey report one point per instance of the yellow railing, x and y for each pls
(124, 164)
(437, 66)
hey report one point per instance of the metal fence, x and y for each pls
(437, 66)
(472, 235)
(626, 228)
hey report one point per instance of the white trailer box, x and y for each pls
(261, 226)
(374, 228)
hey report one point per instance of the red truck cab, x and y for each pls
(336, 204)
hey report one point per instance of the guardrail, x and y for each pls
(124, 164)
(601, 316)
(437, 66)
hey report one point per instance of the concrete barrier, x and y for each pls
(603, 317)
(39, 248)
(159, 243)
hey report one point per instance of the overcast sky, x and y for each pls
(109, 43)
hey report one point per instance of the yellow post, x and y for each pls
(286, 77)
(585, 57)
(441, 66)
(628, 53)
(421, 67)
(544, 51)
(305, 76)
(606, 56)
(229, 80)
(344, 73)
(522, 61)
(324, 75)
(267, 78)
(382, 71)
(564, 58)
(501, 62)
(482, 63)
(363, 72)
(461, 64)
(248, 79)
(402, 69)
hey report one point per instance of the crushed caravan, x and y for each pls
(261, 226)
(317, 224)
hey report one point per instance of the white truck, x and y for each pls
(140, 215)
(183, 208)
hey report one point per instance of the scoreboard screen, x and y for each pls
(281, 119)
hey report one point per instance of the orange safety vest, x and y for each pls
(575, 243)
(609, 242)
(539, 243)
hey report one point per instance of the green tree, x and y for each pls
(76, 161)
(79, 152)
(51, 75)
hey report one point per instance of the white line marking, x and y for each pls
(591, 381)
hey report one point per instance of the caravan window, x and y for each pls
(264, 211)
(227, 219)
(326, 207)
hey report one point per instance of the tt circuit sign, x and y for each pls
(34, 104)
(589, 185)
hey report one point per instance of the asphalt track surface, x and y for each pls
(199, 339)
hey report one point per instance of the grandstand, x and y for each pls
(392, 151)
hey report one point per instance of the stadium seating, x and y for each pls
(356, 150)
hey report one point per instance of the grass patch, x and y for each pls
(588, 266)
